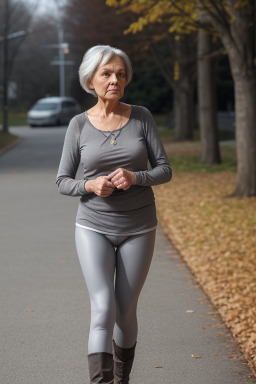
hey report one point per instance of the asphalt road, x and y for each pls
(44, 302)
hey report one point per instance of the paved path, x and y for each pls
(44, 302)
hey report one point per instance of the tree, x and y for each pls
(236, 27)
(32, 70)
(184, 79)
(207, 101)
(88, 23)
(177, 65)
(85, 25)
(20, 16)
(92, 22)
(181, 73)
(234, 21)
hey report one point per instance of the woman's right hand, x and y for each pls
(101, 186)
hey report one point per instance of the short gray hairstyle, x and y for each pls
(100, 55)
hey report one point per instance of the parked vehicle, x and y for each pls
(52, 111)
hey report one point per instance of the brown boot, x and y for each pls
(101, 368)
(123, 360)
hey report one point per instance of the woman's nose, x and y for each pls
(113, 78)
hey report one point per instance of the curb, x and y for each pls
(9, 146)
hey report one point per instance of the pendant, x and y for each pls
(113, 141)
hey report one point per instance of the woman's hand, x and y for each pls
(122, 178)
(101, 186)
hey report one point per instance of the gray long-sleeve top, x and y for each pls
(137, 143)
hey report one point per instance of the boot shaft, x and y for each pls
(123, 361)
(101, 368)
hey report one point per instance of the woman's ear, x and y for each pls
(90, 84)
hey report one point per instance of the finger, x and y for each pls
(118, 171)
(106, 182)
(123, 185)
(112, 174)
(116, 177)
(105, 191)
(110, 185)
(108, 192)
(119, 183)
(119, 178)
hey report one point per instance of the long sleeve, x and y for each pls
(161, 171)
(69, 163)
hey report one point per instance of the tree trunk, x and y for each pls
(245, 106)
(5, 66)
(238, 37)
(184, 116)
(241, 56)
(207, 104)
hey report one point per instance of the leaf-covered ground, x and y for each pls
(216, 236)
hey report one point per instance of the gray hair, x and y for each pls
(100, 55)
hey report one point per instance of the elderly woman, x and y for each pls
(116, 219)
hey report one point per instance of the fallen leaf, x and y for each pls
(234, 357)
(221, 249)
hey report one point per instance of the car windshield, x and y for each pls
(45, 106)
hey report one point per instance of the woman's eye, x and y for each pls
(121, 74)
(105, 74)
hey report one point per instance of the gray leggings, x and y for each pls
(115, 269)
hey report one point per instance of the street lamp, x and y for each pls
(61, 62)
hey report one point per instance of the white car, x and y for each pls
(52, 111)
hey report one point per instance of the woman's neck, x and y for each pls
(106, 108)
(109, 116)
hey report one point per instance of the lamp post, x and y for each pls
(63, 49)
(61, 63)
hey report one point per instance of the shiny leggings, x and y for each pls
(115, 269)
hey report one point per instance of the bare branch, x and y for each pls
(167, 74)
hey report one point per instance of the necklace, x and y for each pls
(113, 139)
(118, 124)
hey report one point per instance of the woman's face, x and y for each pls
(109, 80)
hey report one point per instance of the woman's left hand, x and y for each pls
(122, 178)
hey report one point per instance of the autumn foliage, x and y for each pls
(233, 21)
(215, 234)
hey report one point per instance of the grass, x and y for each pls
(16, 119)
(6, 139)
(193, 164)
(185, 156)
(169, 133)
